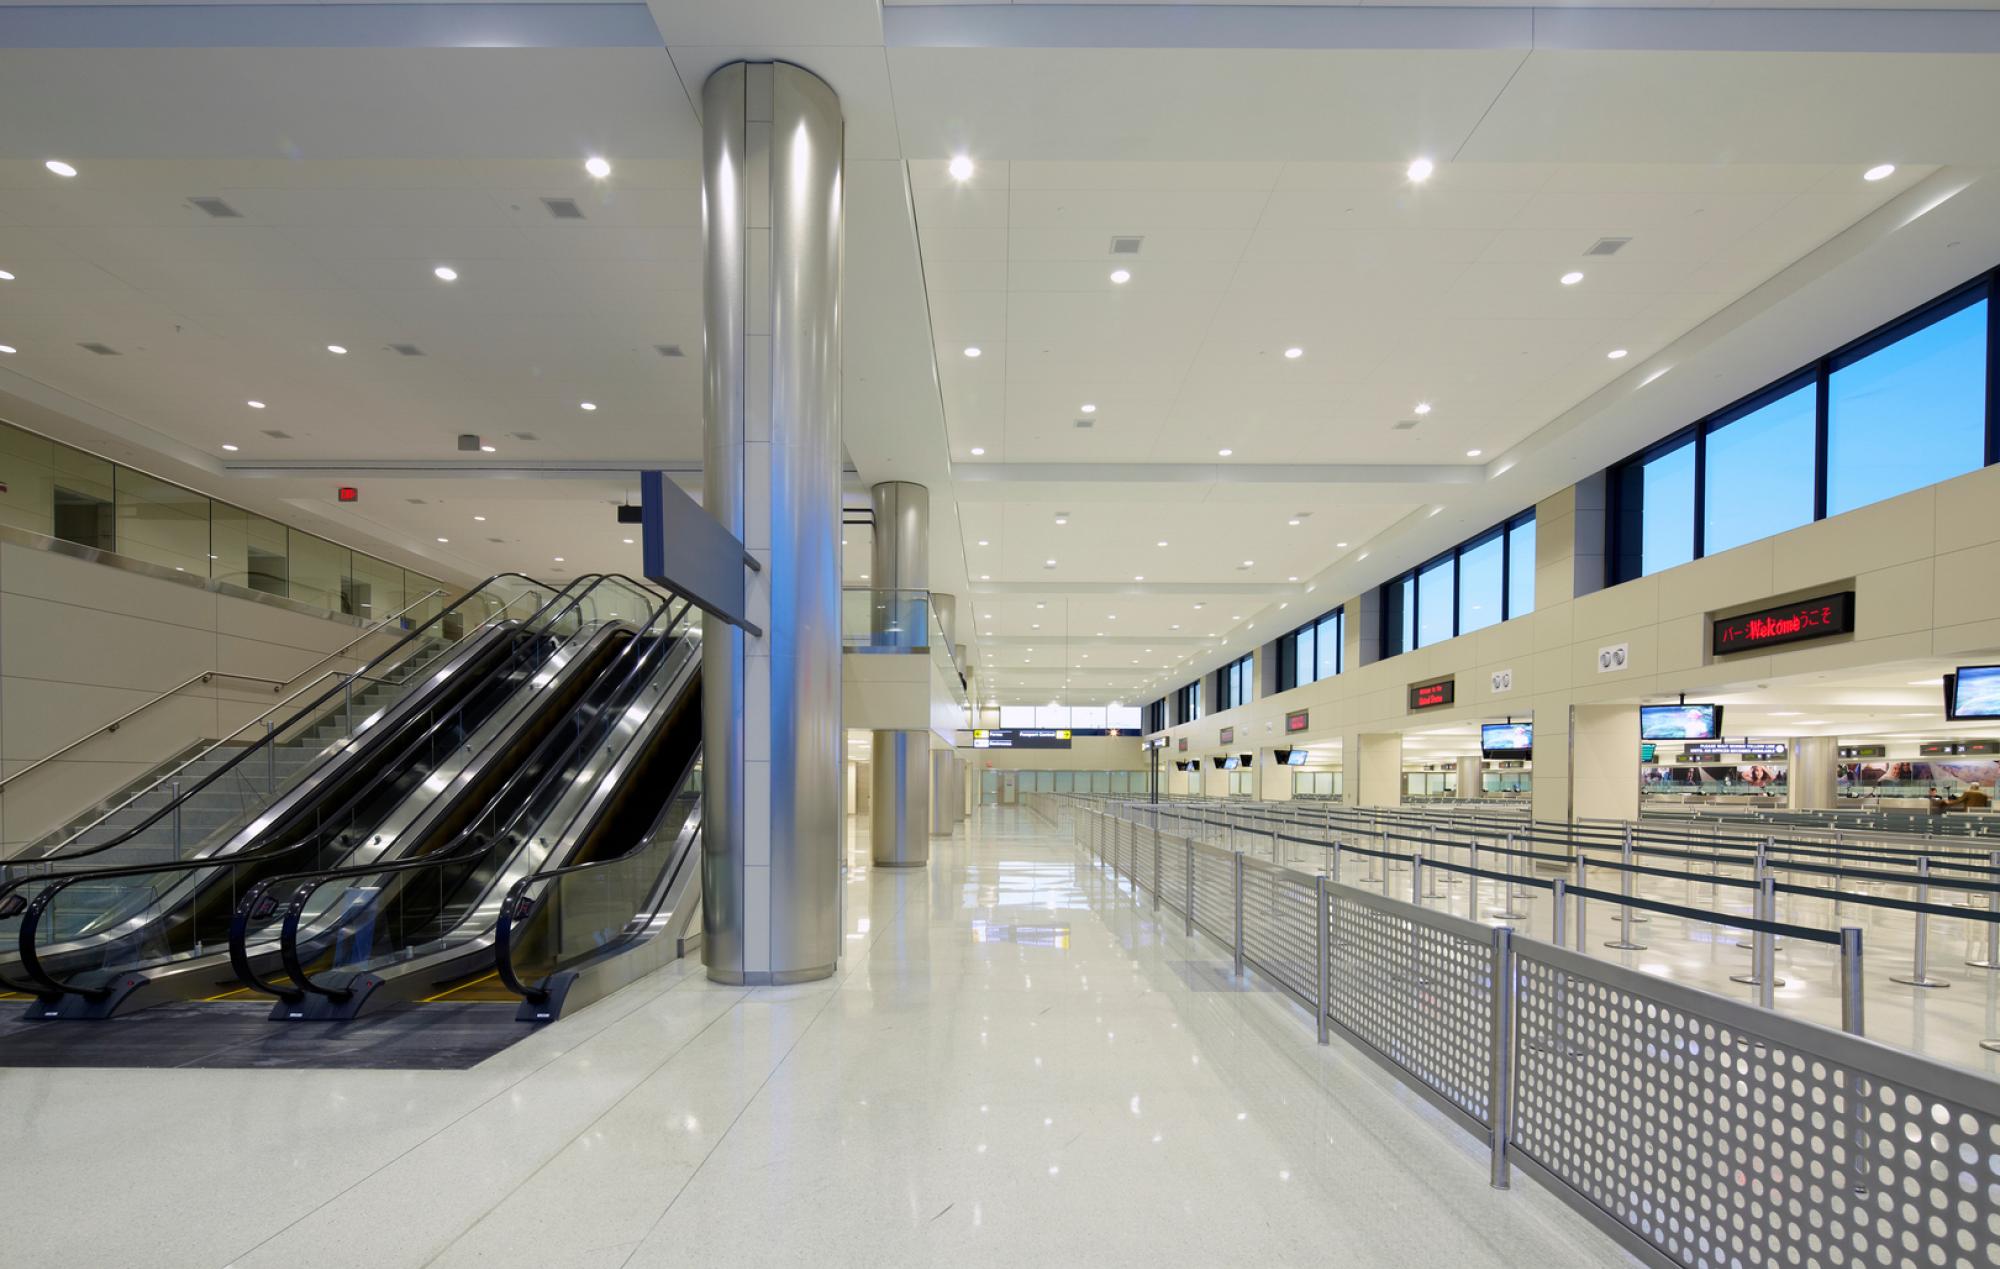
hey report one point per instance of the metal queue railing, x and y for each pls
(1764, 858)
(1694, 1129)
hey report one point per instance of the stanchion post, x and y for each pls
(1851, 989)
(1920, 954)
(1238, 857)
(1417, 878)
(1500, 1096)
(1992, 960)
(1582, 901)
(1190, 887)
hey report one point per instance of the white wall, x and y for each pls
(1922, 567)
(82, 643)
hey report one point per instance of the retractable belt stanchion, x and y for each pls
(1992, 958)
(1919, 975)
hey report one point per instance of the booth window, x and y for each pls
(1904, 407)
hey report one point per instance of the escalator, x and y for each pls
(424, 928)
(99, 940)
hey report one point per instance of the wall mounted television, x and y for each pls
(1296, 757)
(1972, 692)
(1680, 722)
(1506, 740)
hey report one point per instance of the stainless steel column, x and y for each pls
(900, 829)
(1809, 778)
(900, 825)
(771, 810)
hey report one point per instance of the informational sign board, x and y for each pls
(1021, 738)
(1795, 622)
(1433, 695)
(1228, 736)
(1734, 751)
(1297, 720)
(1958, 748)
(1864, 751)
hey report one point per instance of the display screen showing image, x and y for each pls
(1498, 738)
(1977, 692)
(1680, 722)
(1230, 764)
(1296, 758)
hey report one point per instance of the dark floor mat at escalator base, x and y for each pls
(238, 1036)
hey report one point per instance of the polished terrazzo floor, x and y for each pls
(1016, 1064)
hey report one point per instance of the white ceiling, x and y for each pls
(1268, 184)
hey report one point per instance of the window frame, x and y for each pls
(1623, 555)
(1409, 612)
(1288, 656)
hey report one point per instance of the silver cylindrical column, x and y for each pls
(900, 826)
(1469, 777)
(771, 225)
(1810, 776)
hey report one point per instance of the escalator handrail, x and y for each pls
(503, 934)
(270, 738)
(470, 844)
(62, 880)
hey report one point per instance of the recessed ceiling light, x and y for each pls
(960, 167)
(1139, 577)
(1473, 453)
(1045, 606)
(1422, 407)
(984, 542)
(1088, 408)
(6, 276)
(598, 166)
(487, 449)
(1048, 563)
(586, 405)
(1616, 354)
(972, 351)
(6, 350)
(1062, 519)
(481, 519)
(1571, 278)
(1294, 522)
(978, 451)
(255, 405)
(336, 350)
(1879, 172)
(630, 542)
(986, 577)
(59, 167)
(1121, 276)
(1420, 170)
(1249, 563)
(559, 559)
(445, 273)
(1161, 542)
(231, 448)
(1293, 354)
(1291, 579)
(1224, 453)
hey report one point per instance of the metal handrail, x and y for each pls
(276, 685)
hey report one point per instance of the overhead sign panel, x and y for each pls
(1795, 622)
(1433, 695)
(1021, 738)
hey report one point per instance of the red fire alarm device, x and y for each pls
(348, 493)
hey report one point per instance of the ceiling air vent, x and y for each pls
(498, 541)
(102, 350)
(415, 502)
(1086, 422)
(1405, 425)
(217, 208)
(1126, 244)
(563, 208)
(1607, 246)
(669, 350)
(524, 436)
(276, 435)
(407, 350)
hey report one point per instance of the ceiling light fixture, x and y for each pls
(598, 166)
(960, 167)
(445, 273)
(1121, 276)
(481, 519)
(978, 452)
(1294, 522)
(1473, 453)
(1420, 170)
(1088, 408)
(336, 350)
(559, 559)
(973, 351)
(231, 448)
(1571, 278)
(1880, 171)
(487, 449)
(1224, 453)
(255, 405)
(1293, 354)
(984, 542)
(630, 542)
(59, 167)
(586, 405)
(6, 350)
(1061, 520)
(6, 276)
(444, 539)
(1616, 354)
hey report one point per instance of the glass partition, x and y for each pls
(61, 492)
(885, 619)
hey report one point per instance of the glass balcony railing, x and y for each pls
(898, 621)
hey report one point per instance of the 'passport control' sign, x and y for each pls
(1787, 623)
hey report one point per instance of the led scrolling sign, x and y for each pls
(1787, 623)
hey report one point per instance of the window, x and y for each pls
(1908, 414)
(1187, 702)
(1312, 652)
(1753, 484)
(1521, 567)
(1478, 583)
(1233, 683)
(1156, 716)
(1899, 409)
(1482, 596)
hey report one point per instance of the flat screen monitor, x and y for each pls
(1296, 757)
(1680, 722)
(1230, 763)
(1506, 740)
(1973, 692)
